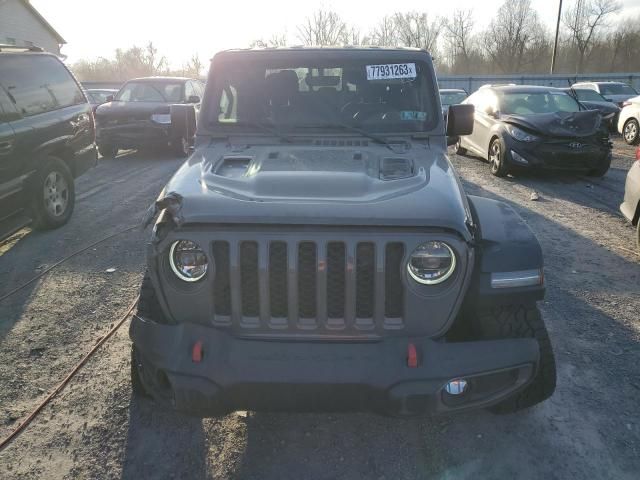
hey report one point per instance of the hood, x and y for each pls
(320, 186)
(128, 109)
(604, 107)
(559, 124)
(619, 98)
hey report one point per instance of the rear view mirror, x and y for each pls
(460, 120)
(109, 98)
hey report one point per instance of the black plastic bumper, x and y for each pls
(143, 133)
(247, 374)
(557, 155)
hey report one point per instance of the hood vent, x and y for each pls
(396, 168)
(232, 167)
(342, 142)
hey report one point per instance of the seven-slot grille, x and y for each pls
(316, 286)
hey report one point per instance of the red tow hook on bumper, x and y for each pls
(196, 352)
(412, 356)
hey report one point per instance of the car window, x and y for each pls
(7, 110)
(39, 83)
(189, 90)
(586, 95)
(154, 92)
(529, 103)
(617, 89)
(452, 98)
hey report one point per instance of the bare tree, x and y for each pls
(584, 20)
(459, 39)
(415, 29)
(323, 28)
(193, 68)
(384, 33)
(276, 40)
(513, 35)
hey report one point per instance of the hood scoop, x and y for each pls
(232, 167)
(396, 168)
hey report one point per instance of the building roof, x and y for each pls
(43, 21)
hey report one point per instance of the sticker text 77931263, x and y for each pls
(391, 71)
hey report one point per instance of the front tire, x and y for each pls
(181, 146)
(496, 157)
(631, 132)
(54, 195)
(108, 151)
(521, 321)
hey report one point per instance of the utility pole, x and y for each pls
(555, 45)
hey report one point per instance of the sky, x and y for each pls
(183, 28)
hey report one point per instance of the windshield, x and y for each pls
(453, 98)
(617, 89)
(529, 103)
(342, 93)
(589, 96)
(98, 96)
(151, 92)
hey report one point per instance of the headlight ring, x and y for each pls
(432, 263)
(188, 261)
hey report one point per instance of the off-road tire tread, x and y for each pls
(521, 321)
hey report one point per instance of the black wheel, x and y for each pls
(631, 132)
(496, 158)
(638, 235)
(181, 146)
(521, 321)
(54, 195)
(602, 169)
(458, 148)
(148, 305)
(108, 151)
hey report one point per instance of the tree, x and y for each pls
(384, 34)
(584, 20)
(323, 28)
(515, 36)
(415, 29)
(459, 40)
(276, 40)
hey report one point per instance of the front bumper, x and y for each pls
(243, 374)
(629, 207)
(566, 155)
(134, 134)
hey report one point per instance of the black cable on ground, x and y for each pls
(48, 269)
(64, 382)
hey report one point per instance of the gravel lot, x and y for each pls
(590, 428)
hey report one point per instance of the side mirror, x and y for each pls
(460, 120)
(193, 99)
(109, 98)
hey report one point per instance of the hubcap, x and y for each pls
(56, 194)
(631, 131)
(494, 156)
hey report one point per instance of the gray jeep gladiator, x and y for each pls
(317, 251)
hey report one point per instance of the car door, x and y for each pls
(11, 174)
(485, 120)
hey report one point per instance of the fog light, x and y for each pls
(519, 158)
(456, 387)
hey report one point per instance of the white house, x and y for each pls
(21, 24)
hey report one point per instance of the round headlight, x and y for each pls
(188, 261)
(432, 263)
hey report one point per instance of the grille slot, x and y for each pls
(393, 305)
(365, 274)
(335, 279)
(249, 279)
(320, 287)
(221, 289)
(307, 261)
(278, 296)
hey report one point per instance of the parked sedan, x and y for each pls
(592, 100)
(451, 96)
(531, 127)
(98, 96)
(629, 121)
(630, 208)
(616, 92)
(152, 111)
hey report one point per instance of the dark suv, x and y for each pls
(148, 112)
(47, 139)
(317, 251)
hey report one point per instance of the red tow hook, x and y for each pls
(196, 352)
(412, 356)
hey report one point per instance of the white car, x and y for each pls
(629, 121)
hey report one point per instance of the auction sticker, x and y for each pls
(391, 71)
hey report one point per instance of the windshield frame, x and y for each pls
(331, 57)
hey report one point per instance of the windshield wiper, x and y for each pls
(359, 131)
(269, 128)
